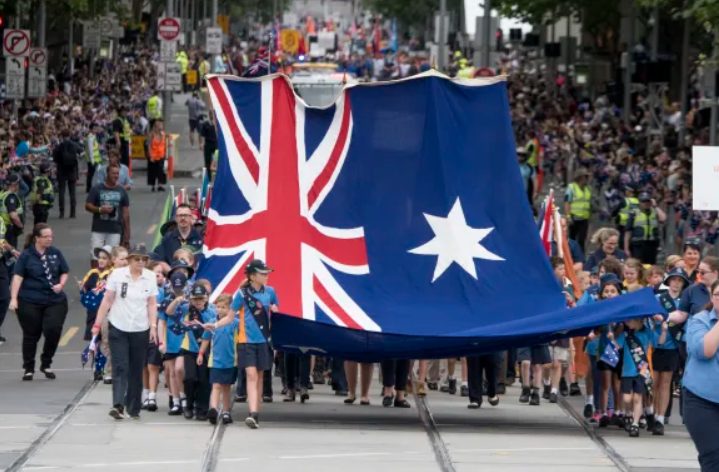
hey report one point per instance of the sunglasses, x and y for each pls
(140, 258)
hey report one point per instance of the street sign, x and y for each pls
(168, 28)
(16, 43)
(213, 40)
(118, 32)
(169, 76)
(168, 49)
(91, 35)
(107, 26)
(37, 73)
(14, 77)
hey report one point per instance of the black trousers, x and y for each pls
(241, 389)
(339, 380)
(156, 173)
(90, 174)
(394, 373)
(66, 178)
(4, 290)
(297, 370)
(477, 366)
(209, 151)
(40, 320)
(125, 152)
(196, 383)
(701, 418)
(578, 230)
(40, 213)
(129, 351)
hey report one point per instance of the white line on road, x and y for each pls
(71, 331)
(331, 456)
(527, 449)
(111, 464)
(76, 369)
(58, 353)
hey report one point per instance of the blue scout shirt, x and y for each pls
(223, 353)
(646, 338)
(700, 373)
(189, 341)
(250, 332)
(694, 298)
(37, 285)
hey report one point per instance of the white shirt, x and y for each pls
(129, 312)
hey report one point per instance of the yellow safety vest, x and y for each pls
(533, 159)
(646, 227)
(579, 207)
(630, 205)
(4, 215)
(153, 108)
(96, 157)
(48, 194)
(126, 130)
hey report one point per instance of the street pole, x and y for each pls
(441, 51)
(487, 20)
(14, 101)
(566, 44)
(214, 23)
(71, 47)
(42, 20)
(713, 95)
(685, 77)
(193, 23)
(628, 68)
(166, 94)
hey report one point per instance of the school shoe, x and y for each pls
(633, 431)
(474, 405)
(604, 421)
(175, 410)
(267, 399)
(588, 410)
(563, 387)
(212, 415)
(553, 397)
(151, 405)
(304, 396)
(28, 375)
(534, 398)
(658, 429)
(2, 340)
(494, 401)
(444, 388)
(290, 397)
(464, 391)
(642, 423)
(627, 423)
(240, 398)
(97, 376)
(403, 403)
(200, 415)
(432, 385)
(574, 390)
(107, 380)
(49, 374)
(318, 377)
(186, 410)
(145, 403)
(524, 397)
(651, 421)
(387, 401)
(226, 418)
(501, 389)
(452, 387)
(547, 390)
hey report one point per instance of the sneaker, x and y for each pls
(634, 431)
(251, 422)
(534, 398)
(658, 429)
(588, 410)
(452, 387)
(547, 390)
(553, 397)
(574, 389)
(107, 380)
(226, 418)
(473, 405)
(494, 401)
(464, 391)
(175, 410)
(524, 397)
(604, 421)
(117, 412)
(563, 387)
(212, 415)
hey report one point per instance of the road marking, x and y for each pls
(112, 464)
(331, 456)
(151, 229)
(212, 452)
(441, 453)
(59, 353)
(71, 331)
(527, 449)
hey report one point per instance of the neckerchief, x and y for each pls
(676, 330)
(639, 356)
(46, 269)
(258, 310)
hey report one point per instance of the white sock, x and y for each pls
(554, 390)
(590, 399)
(649, 410)
(465, 383)
(152, 395)
(546, 382)
(450, 377)
(660, 419)
(145, 391)
(182, 396)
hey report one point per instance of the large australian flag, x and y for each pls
(395, 220)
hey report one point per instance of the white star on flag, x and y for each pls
(455, 241)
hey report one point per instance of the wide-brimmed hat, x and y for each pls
(677, 272)
(610, 279)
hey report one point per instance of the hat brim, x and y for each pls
(96, 252)
(190, 271)
(669, 277)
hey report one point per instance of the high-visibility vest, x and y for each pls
(153, 108)
(579, 207)
(4, 215)
(47, 195)
(646, 227)
(158, 147)
(630, 205)
(95, 156)
(533, 159)
(126, 130)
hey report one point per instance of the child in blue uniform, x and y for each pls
(222, 360)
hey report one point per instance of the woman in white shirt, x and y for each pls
(131, 307)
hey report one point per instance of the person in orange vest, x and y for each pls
(156, 155)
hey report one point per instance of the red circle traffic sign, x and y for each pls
(484, 72)
(16, 43)
(38, 57)
(168, 28)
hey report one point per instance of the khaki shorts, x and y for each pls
(560, 354)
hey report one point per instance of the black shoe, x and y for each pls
(658, 429)
(212, 416)
(318, 378)
(152, 189)
(432, 385)
(494, 401)
(474, 405)
(2, 340)
(501, 389)
(534, 398)
(553, 397)
(547, 390)
(633, 431)
(387, 401)
(290, 397)
(340, 393)
(200, 415)
(175, 410)
(524, 397)
(452, 387)
(151, 404)
(627, 423)
(350, 400)
(563, 387)
(310, 386)
(574, 390)
(226, 418)
(240, 398)
(304, 396)
(402, 404)
(604, 421)
(160, 188)
(464, 391)
(72, 215)
(266, 399)
(187, 412)
(117, 412)
(651, 421)
(588, 410)
(28, 375)
(49, 374)
(107, 380)
(145, 402)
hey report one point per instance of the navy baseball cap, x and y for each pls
(198, 291)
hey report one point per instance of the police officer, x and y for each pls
(641, 238)
(7, 257)
(42, 194)
(630, 205)
(94, 156)
(11, 209)
(578, 205)
(122, 132)
(153, 108)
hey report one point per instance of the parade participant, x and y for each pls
(156, 155)
(608, 240)
(130, 305)
(578, 206)
(195, 108)
(171, 331)
(119, 259)
(11, 210)
(154, 360)
(66, 156)
(480, 368)
(92, 286)
(697, 296)
(222, 360)
(196, 379)
(38, 298)
(184, 235)
(701, 383)
(110, 208)
(633, 275)
(255, 301)
(352, 369)
(42, 194)
(641, 239)
(296, 371)
(394, 383)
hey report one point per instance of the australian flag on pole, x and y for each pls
(395, 220)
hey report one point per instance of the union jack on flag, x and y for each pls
(269, 187)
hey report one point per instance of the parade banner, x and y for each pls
(395, 220)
